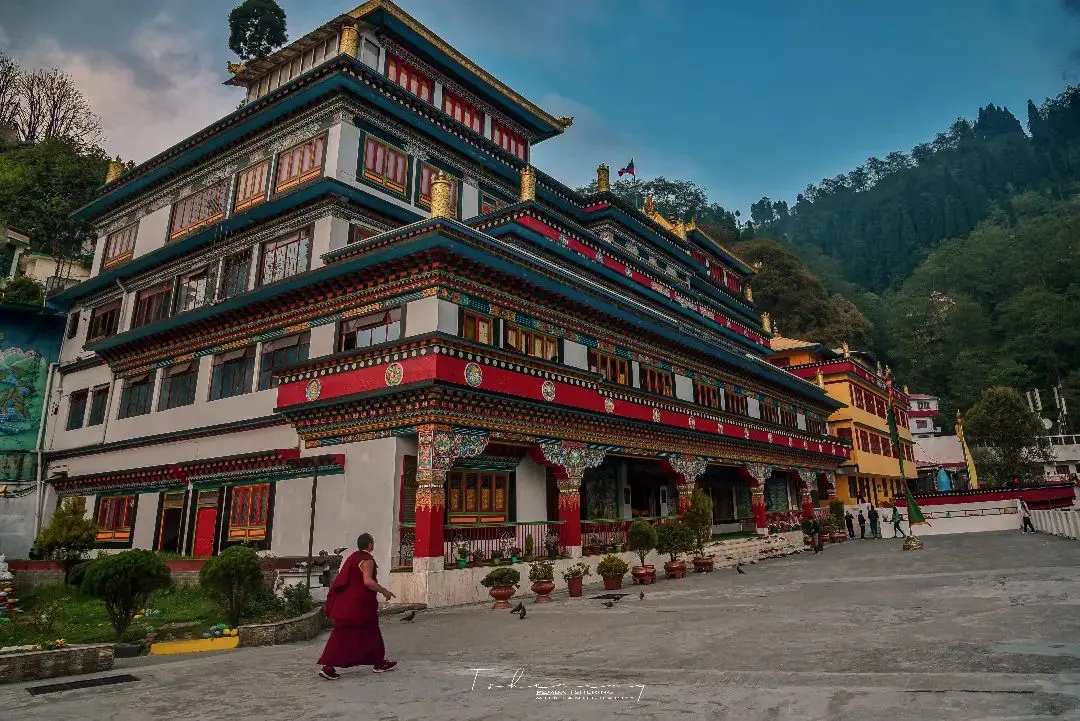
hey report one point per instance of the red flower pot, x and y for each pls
(644, 574)
(502, 595)
(574, 585)
(703, 564)
(675, 569)
(543, 590)
(613, 584)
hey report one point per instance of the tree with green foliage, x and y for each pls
(699, 517)
(641, 538)
(42, 184)
(256, 29)
(67, 536)
(674, 538)
(24, 290)
(1007, 438)
(234, 577)
(125, 581)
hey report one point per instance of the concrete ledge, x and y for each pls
(193, 645)
(301, 628)
(69, 661)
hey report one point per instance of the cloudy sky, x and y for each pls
(746, 98)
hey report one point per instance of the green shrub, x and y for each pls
(641, 538)
(67, 536)
(674, 538)
(541, 571)
(578, 570)
(234, 577)
(699, 518)
(297, 599)
(125, 581)
(836, 510)
(24, 290)
(501, 576)
(612, 567)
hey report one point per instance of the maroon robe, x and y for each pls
(354, 608)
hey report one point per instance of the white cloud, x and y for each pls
(173, 95)
(572, 157)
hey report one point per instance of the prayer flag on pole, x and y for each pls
(915, 515)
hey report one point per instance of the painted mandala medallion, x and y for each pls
(609, 405)
(474, 376)
(692, 422)
(656, 415)
(548, 391)
(394, 374)
(314, 389)
(746, 432)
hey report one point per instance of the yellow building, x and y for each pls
(855, 378)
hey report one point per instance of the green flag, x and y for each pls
(915, 515)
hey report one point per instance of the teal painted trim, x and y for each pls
(261, 212)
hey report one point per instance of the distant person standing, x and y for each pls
(862, 524)
(875, 530)
(850, 519)
(1026, 513)
(897, 519)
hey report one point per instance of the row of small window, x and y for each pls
(877, 444)
(864, 489)
(420, 85)
(279, 258)
(614, 369)
(232, 374)
(388, 165)
(300, 64)
(872, 403)
(248, 515)
(719, 273)
(298, 164)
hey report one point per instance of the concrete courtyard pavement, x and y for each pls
(981, 626)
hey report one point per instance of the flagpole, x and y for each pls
(915, 514)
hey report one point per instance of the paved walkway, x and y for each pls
(983, 626)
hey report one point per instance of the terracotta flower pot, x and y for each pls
(502, 595)
(574, 585)
(543, 590)
(644, 574)
(703, 564)
(675, 569)
(613, 584)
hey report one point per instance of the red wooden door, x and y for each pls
(205, 526)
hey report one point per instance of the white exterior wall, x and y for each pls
(800, 421)
(530, 488)
(470, 200)
(153, 231)
(422, 316)
(753, 407)
(974, 517)
(448, 317)
(145, 521)
(635, 374)
(684, 388)
(575, 355)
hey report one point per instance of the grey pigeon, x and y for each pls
(738, 567)
(641, 596)
(518, 608)
(608, 604)
(409, 618)
(522, 616)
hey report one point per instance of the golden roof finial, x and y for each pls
(235, 68)
(878, 367)
(906, 391)
(845, 349)
(766, 321)
(819, 378)
(528, 183)
(565, 121)
(692, 225)
(679, 228)
(440, 196)
(115, 170)
(650, 207)
(888, 371)
(350, 40)
(603, 178)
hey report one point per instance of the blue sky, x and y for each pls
(745, 98)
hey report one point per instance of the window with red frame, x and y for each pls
(734, 284)
(856, 395)
(699, 257)
(509, 141)
(427, 172)
(285, 256)
(386, 165)
(199, 209)
(843, 433)
(864, 441)
(476, 327)
(736, 402)
(151, 304)
(119, 245)
(879, 405)
(718, 274)
(816, 426)
(251, 186)
(489, 204)
(781, 362)
(788, 418)
(612, 368)
(104, 321)
(250, 509)
(529, 342)
(706, 395)
(462, 112)
(875, 444)
(299, 163)
(656, 380)
(115, 518)
(769, 412)
(482, 494)
(409, 77)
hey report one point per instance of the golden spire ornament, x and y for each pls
(603, 179)
(528, 183)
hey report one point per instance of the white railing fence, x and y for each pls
(1063, 522)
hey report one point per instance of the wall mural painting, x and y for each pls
(601, 485)
(744, 502)
(776, 494)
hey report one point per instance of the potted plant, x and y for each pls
(827, 530)
(515, 554)
(506, 544)
(461, 552)
(674, 538)
(808, 532)
(699, 518)
(642, 538)
(612, 569)
(617, 545)
(836, 510)
(501, 584)
(594, 544)
(542, 575)
(575, 578)
(479, 560)
(551, 544)
(530, 546)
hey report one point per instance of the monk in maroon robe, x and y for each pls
(353, 604)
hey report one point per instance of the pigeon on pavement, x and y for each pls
(409, 618)
(522, 616)
(518, 608)
(641, 596)
(608, 604)
(738, 567)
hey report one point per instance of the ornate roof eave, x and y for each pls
(253, 69)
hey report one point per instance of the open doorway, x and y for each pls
(172, 514)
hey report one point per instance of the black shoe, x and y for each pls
(329, 675)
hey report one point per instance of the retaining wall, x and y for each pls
(70, 661)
